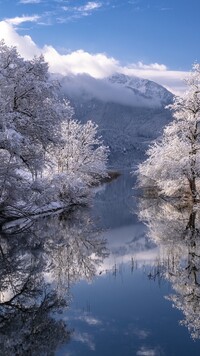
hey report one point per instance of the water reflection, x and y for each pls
(38, 265)
(176, 230)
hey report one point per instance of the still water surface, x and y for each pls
(92, 282)
(124, 311)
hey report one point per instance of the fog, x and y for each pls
(86, 87)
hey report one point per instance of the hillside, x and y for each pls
(130, 112)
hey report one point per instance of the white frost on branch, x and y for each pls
(44, 154)
(173, 163)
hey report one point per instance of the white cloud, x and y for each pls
(170, 79)
(91, 5)
(66, 8)
(76, 12)
(79, 62)
(154, 66)
(25, 45)
(166, 8)
(97, 65)
(30, 1)
(20, 19)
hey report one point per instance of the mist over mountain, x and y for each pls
(129, 111)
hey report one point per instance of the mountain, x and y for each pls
(143, 88)
(129, 111)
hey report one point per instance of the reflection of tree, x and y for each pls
(27, 300)
(26, 329)
(77, 251)
(177, 232)
(37, 267)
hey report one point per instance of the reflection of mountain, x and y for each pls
(128, 245)
(177, 232)
(114, 203)
(126, 237)
(129, 111)
(37, 268)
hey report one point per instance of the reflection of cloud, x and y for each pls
(85, 338)
(97, 65)
(90, 320)
(141, 334)
(135, 248)
(145, 351)
(85, 317)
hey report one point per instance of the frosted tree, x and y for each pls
(45, 155)
(30, 118)
(173, 163)
(80, 159)
(29, 112)
(83, 152)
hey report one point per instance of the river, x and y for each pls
(95, 282)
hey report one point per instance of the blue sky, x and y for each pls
(148, 32)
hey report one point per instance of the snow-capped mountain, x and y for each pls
(142, 87)
(129, 111)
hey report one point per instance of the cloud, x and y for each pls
(85, 86)
(76, 12)
(166, 8)
(20, 19)
(78, 62)
(98, 65)
(170, 79)
(151, 66)
(30, 1)
(91, 5)
(25, 45)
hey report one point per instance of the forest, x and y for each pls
(48, 159)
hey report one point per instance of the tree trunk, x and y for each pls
(192, 184)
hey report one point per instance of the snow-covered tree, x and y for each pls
(29, 114)
(174, 162)
(29, 119)
(82, 153)
(44, 154)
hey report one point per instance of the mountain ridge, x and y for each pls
(129, 111)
